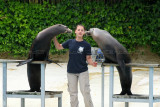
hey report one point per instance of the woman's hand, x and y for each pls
(94, 64)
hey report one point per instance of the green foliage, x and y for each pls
(131, 23)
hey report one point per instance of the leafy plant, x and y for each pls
(132, 23)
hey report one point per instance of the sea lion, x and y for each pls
(39, 52)
(114, 52)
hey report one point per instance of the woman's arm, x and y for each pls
(57, 44)
(90, 61)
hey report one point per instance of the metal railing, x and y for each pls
(150, 98)
(22, 94)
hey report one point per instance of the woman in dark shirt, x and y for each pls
(77, 68)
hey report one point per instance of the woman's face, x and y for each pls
(80, 31)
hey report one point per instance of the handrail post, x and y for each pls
(111, 85)
(42, 85)
(4, 84)
(151, 86)
(22, 102)
(102, 100)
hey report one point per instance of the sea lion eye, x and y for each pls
(59, 24)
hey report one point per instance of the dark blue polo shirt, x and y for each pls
(77, 55)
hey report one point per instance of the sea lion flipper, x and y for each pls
(51, 61)
(57, 64)
(24, 62)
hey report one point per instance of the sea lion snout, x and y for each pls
(88, 33)
(91, 30)
(68, 30)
